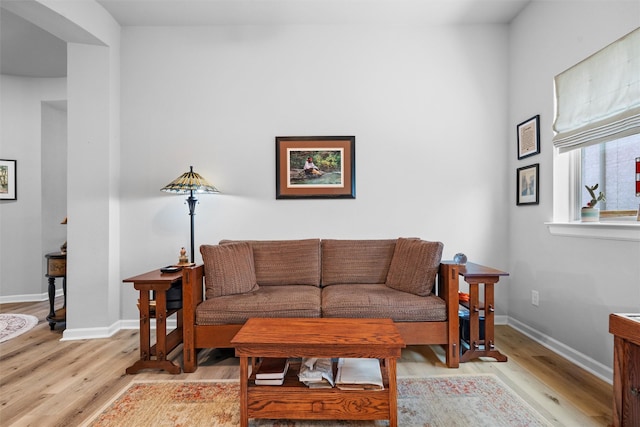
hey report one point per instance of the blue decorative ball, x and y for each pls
(460, 258)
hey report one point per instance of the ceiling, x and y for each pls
(27, 50)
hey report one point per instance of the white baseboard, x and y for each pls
(29, 297)
(601, 371)
(73, 334)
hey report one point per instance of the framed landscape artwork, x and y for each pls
(309, 167)
(528, 185)
(8, 180)
(529, 137)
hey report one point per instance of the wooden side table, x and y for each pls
(626, 368)
(155, 357)
(56, 267)
(475, 275)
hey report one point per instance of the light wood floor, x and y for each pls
(46, 382)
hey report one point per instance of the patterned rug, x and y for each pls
(448, 401)
(12, 325)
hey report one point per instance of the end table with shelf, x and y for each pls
(476, 275)
(155, 357)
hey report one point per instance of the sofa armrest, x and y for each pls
(448, 283)
(448, 286)
(192, 295)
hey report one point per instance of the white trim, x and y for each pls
(28, 297)
(500, 320)
(74, 334)
(605, 373)
(89, 333)
(625, 231)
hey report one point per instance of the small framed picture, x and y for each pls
(8, 180)
(315, 167)
(528, 185)
(529, 137)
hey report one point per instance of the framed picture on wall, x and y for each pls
(315, 167)
(528, 185)
(529, 137)
(8, 187)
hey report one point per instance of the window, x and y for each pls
(597, 137)
(612, 165)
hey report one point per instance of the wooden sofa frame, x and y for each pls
(196, 337)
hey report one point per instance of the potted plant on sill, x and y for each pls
(590, 213)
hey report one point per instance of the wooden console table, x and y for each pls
(56, 267)
(155, 357)
(475, 275)
(626, 369)
(322, 338)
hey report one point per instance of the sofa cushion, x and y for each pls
(414, 266)
(268, 301)
(229, 269)
(356, 261)
(380, 301)
(285, 262)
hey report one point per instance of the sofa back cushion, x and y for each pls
(414, 266)
(285, 262)
(229, 269)
(356, 261)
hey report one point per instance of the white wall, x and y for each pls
(428, 107)
(580, 281)
(54, 174)
(22, 265)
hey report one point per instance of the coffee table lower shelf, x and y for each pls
(294, 400)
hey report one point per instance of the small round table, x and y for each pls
(56, 267)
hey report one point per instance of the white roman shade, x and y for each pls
(598, 99)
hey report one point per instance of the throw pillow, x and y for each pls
(229, 269)
(414, 266)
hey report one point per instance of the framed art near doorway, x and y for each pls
(8, 175)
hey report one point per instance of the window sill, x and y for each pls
(626, 230)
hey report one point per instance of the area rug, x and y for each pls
(12, 325)
(447, 401)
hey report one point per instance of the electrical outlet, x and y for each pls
(535, 298)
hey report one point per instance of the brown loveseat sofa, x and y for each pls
(321, 278)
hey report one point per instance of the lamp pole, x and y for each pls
(191, 201)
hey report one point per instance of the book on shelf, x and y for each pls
(272, 368)
(152, 305)
(359, 374)
(273, 381)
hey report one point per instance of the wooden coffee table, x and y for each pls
(322, 338)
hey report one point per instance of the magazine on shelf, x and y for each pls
(272, 368)
(359, 374)
(316, 373)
